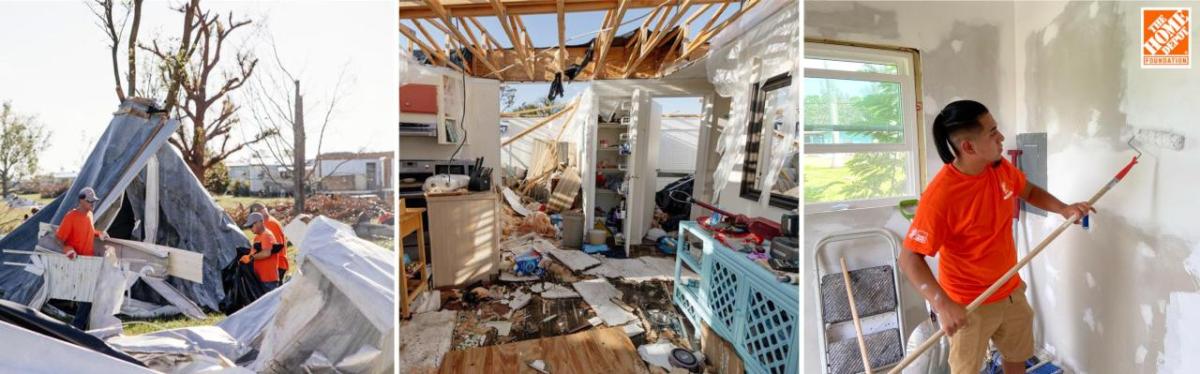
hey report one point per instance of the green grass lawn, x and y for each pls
(138, 327)
(229, 202)
(817, 174)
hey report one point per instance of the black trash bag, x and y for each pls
(242, 285)
(674, 207)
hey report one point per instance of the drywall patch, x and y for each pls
(1054, 273)
(1147, 315)
(1050, 33)
(1182, 342)
(967, 66)
(1192, 263)
(853, 19)
(1140, 355)
(1089, 319)
(1075, 54)
(1144, 250)
(1091, 281)
(1048, 293)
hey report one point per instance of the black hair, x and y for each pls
(956, 117)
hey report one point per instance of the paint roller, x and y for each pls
(1155, 138)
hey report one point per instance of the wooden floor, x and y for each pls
(599, 350)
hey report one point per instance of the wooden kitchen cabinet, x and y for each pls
(464, 232)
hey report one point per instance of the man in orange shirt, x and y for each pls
(263, 251)
(77, 235)
(276, 229)
(965, 216)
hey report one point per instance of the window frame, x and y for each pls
(754, 145)
(906, 62)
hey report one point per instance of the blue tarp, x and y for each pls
(188, 217)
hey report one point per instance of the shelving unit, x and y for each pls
(618, 163)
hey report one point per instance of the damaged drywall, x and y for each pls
(1120, 297)
(966, 52)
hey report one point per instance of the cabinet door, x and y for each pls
(642, 167)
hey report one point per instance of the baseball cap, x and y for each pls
(252, 219)
(88, 194)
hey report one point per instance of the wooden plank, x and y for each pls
(612, 26)
(602, 350)
(655, 38)
(564, 194)
(719, 352)
(431, 51)
(703, 36)
(562, 37)
(527, 42)
(510, 30)
(409, 9)
(445, 18)
(541, 123)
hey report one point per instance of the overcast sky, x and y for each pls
(55, 65)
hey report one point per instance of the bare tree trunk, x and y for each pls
(177, 63)
(133, 36)
(299, 174)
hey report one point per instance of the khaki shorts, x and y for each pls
(1008, 323)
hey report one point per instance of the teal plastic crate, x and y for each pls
(741, 301)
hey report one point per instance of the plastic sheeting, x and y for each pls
(189, 219)
(335, 315)
(28, 352)
(25, 318)
(762, 44)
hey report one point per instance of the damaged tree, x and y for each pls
(277, 102)
(190, 69)
(103, 10)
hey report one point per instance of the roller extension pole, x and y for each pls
(1013, 271)
(862, 344)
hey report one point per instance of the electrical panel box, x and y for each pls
(1032, 161)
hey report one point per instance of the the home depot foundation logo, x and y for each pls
(1166, 35)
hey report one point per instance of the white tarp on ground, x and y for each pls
(334, 315)
(29, 352)
(338, 312)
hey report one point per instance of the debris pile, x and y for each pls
(546, 291)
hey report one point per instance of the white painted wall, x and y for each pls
(967, 52)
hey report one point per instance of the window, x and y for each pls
(860, 127)
(767, 106)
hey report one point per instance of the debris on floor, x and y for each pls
(598, 293)
(425, 339)
(555, 297)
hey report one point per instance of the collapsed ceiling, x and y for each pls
(658, 46)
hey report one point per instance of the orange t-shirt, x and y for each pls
(76, 231)
(277, 230)
(968, 220)
(267, 268)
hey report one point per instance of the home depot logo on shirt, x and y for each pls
(1166, 36)
(918, 236)
(1008, 193)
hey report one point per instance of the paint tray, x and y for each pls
(883, 349)
(874, 291)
